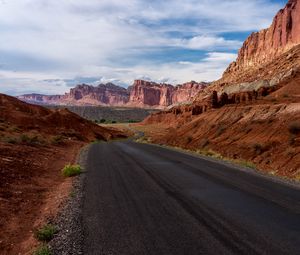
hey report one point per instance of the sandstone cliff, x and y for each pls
(163, 95)
(267, 45)
(141, 94)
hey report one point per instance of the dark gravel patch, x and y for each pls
(69, 239)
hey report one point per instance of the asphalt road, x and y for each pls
(143, 199)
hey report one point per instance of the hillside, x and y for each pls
(252, 114)
(35, 144)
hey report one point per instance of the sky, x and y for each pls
(49, 46)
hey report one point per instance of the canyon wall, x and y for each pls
(143, 94)
(264, 46)
(163, 95)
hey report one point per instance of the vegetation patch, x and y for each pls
(245, 163)
(31, 140)
(43, 250)
(57, 140)
(10, 140)
(71, 170)
(210, 153)
(46, 233)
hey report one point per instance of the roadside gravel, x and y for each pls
(69, 238)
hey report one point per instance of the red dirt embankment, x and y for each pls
(265, 131)
(35, 144)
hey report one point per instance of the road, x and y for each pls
(144, 199)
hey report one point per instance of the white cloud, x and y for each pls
(106, 38)
(204, 42)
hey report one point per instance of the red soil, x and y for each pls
(265, 132)
(35, 144)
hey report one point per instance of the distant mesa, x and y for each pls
(142, 94)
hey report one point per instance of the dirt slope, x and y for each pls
(35, 144)
(265, 132)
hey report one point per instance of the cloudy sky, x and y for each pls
(48, 46)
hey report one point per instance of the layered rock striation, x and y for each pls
(267, 45)
(163, 95)
(141, 94)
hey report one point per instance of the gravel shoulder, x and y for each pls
(69, 238)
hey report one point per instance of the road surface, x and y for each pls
(144, 199)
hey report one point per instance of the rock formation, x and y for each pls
(140, 94)
(266, 45)
(266, 59)
(163, 95)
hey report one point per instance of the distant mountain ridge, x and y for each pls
(142, 94)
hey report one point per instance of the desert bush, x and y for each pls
(31, 140)
(74, 134)
(46, 233)
(11, 140)
(42, 250)
(210, 153)
(294, 128)
(102, 120)
(71, 170)
(133, 121)
(58, 139)
(247, 164)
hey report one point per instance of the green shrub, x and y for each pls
(11, 140)
(71, 170)
(247, 164)
(102, 120)
(58, 139)
(31, 140)
(43, 250)
(46, 233)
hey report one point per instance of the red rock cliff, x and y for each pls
(145, 93)
(141, 94)
(264, 46)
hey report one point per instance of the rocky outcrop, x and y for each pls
(163, 95)
(264, 46)
(141, 94)
(41, 99)
(103, 94)
(266, 58)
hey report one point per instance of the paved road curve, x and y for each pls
(143, 199)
